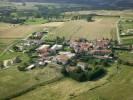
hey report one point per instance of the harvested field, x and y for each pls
(10, 32)
(102, 27)
(53, 24)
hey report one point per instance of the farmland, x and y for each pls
(10, 33)
(115, 81)
(113, 90)
(48, 82)
(15, 82)
(126, 24)
(101, 27)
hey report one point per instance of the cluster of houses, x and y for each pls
(127, 32)
(33, 40)
(55, 54)
(97, 48)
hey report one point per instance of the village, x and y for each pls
(81, 59)
(75, 56)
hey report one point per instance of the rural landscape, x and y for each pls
(66, 50)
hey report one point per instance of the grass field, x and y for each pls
(120, 88)
(14, 81)
(102, 27)
(125, 26)
(115, 86)
(35, 21)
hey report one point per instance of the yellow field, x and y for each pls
(102, 27)
(10, 33)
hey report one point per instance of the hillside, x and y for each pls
(93, 3)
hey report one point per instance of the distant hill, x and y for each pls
(93, 3)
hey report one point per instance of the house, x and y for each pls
(43, 63)
(104, 57)
(8, 63)
(30, 67)
(20, 47)
(56, 47)
(38, 35)
(69, 54)
(100, 52)
(63, 57)
(71, 69)
(130, 31)
(82, 65)
(102, 44)
(43, 49)
(81, 46)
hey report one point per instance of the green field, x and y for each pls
(15, 82)
(102, 27)
(33, 21)
(115, 85)
(125, 25)
(48, 83)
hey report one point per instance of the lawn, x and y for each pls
(102, 27)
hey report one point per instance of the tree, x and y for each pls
(17, 59)
(23, 4)
(89, 18)
(1, 64)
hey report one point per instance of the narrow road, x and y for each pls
(12, 45)
(117, 31)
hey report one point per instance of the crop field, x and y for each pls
(102, 27)
(10, 33)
